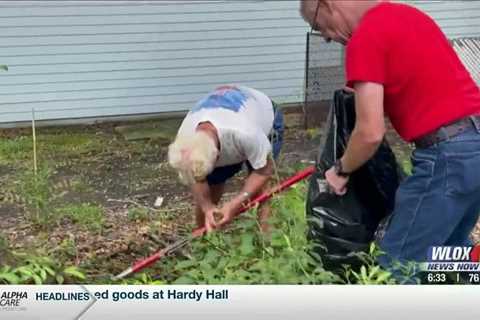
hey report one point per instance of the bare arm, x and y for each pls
(203, 199)
(369, 126)
(366, 136)
(201, 194)
(254, 183)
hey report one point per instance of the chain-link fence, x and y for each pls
(468, 49)
(324, 74)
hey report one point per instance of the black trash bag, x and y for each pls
(341, 226)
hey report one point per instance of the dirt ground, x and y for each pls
(118, 170)
(100, 167)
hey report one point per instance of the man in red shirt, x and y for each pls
(400, 64)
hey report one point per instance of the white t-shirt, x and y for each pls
(243, 118)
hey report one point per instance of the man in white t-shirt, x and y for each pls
(230, 127)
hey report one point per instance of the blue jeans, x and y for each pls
(439, 204)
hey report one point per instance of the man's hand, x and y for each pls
(228, 212)
(336, 183)
(210, 223)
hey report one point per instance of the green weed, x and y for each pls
(407, 167)
(246, 256)
(66, 250)
(36, 192)
(138, 214)
(86, 215)
(370, 272)
(243, 255)
(39, 270)
(142, 279)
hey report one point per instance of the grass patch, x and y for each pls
(16, 149)
(86, 215)
(138, 214)
(69, 145)
(20, 149)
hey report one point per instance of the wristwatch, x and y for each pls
(339, 169)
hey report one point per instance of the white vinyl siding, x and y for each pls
(456, 18)
(91, 59)
(83, 59)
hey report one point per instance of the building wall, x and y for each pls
(80, 59)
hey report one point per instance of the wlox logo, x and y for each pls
(454, 254)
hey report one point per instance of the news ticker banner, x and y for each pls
(239, 302)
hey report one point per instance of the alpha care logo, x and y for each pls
(12, 300)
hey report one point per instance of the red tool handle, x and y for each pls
(201, 231)
(267, 195)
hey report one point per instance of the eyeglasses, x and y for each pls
(314, 24)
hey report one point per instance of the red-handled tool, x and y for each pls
(200, 232)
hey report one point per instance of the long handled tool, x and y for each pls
(200, 232)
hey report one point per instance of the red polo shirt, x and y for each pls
(425, 83)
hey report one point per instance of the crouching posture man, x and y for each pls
(401, 64)
(231, 127)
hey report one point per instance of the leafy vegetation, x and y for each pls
(35, 268)
(142, 279)
(39, 270)
(66, 250)
(244, 255)
(370, 272)
(239, 255)
(37, 194)
(88, 206)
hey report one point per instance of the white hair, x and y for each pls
(193, 156)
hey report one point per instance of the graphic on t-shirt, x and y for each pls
(227, 97)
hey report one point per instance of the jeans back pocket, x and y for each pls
(463, 173)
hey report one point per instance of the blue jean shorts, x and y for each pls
(221, 174)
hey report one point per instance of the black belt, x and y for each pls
(448, 131)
